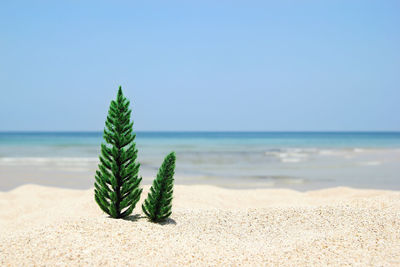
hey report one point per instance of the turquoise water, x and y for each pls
(231, 159)
(273, 139)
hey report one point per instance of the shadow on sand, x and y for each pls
(133, 218)
(136, 217)
(168, 221)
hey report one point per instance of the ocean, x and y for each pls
(297, 160)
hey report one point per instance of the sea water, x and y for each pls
(299, 160)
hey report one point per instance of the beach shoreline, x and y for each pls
(209, 225)
(296, 160)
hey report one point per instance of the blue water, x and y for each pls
(274, 139)
(300, 160)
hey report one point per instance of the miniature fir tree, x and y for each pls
(117, 182)
(158, 204)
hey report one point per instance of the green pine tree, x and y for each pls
(117, 182)
(158, 204)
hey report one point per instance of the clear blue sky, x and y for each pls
(201, 65)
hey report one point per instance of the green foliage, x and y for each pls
(117, 183)
(158, 204)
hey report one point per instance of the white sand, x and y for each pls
(209, 226)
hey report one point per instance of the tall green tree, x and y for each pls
(117, 182)
(158, 204)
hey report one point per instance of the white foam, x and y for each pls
(326, 152)
(291, 160)
(291, 155)
(370, 163)
(48, 160)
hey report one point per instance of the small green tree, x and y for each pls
(117, 182)
(158, 204)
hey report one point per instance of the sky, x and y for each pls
(201, 65)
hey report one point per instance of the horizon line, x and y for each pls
(212, 131)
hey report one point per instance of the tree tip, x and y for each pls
(120, 90)
(172, 155)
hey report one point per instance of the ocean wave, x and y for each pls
(291, 160)
(370, 163)
(327, 152)
(296, 155)
(291, 155)
(48, 160)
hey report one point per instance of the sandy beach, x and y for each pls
(273, 127)
(46, 226)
